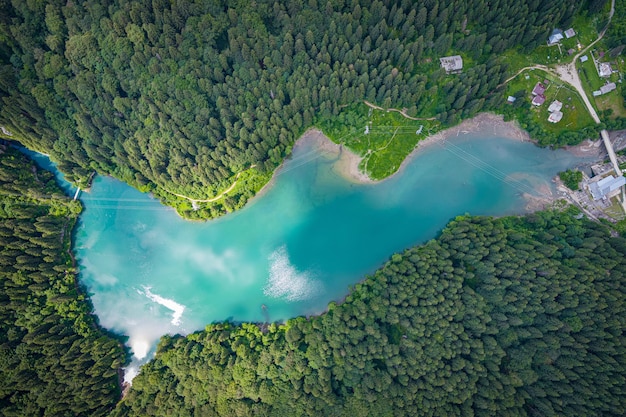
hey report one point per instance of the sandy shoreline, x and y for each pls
(485, 123)
(348, 163)
(489, 124)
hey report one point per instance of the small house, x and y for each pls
(555, 116)
(511, 99)
(569, 33)
(538, 90)
(556, 105)
(555, 37)
(452, 64)
(604, 69)
(584, 58)
(538, 100)
(607, 88)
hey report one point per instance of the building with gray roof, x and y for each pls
(606, 187)
(452, 64)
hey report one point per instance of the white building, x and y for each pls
(452, 64)
(555, 106)
(606, 187)
(555, 117)
(604, 69)
(555, 37)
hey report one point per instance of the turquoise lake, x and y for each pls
(298, 246)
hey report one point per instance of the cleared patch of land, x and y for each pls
(382, 138)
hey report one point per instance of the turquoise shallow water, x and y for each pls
(294, 249)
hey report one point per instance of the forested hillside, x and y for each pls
(180, 97)
(497, 317)
(54, 360)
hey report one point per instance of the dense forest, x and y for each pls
(181, 97)
(512, 316)
(54, 359)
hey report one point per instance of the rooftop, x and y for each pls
(570, 33)
(604, 69)
(607, 87)
(538, 90)
(556, 105)
(606, 186)
(538, 100)
(555, 37)
(452, 63)
(555, 116)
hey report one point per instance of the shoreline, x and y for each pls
(348, 164)
(490, 124)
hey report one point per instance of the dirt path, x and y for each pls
(402, 112)
(538, 66)
(217, 197)
(569, 74)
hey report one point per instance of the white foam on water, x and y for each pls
(176, 308)
(285, 281)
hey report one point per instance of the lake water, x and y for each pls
(294, 249)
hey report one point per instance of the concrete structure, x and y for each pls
(556, 105)
(555, 117)
(538, 100)
(569, 33)
(555, 37)
(538, 90)
(606, 187)
(604, 69)
(452, 64)
(584, 58)
(609, 148)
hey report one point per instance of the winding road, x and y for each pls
(569, 75)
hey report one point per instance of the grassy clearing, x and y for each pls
(586, 32)
(589, 74)
(615, 210)
(591, 81)
(575, 114)
(390, 139)
(614, 102)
